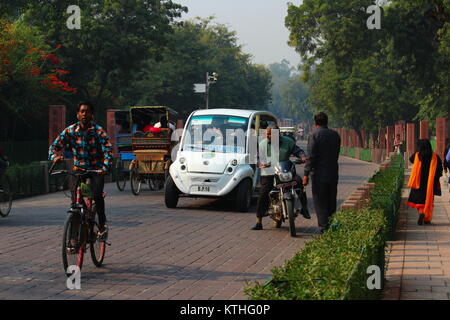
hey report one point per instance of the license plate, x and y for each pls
(203, 188)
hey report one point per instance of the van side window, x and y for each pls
(267, 121)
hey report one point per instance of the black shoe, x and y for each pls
(305, 213)
(257, 226)
(420, 221)
(427, 222)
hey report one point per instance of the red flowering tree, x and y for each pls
(31, 75)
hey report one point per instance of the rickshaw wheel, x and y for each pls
(135, 182)
(152, 185)
(121, 179)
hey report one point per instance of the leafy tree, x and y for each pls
(194, 48)
(371, 78)
(31, 76)
(294, 97)
(116, 36)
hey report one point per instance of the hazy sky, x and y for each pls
(259, 25)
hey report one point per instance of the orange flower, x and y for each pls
(61, 71)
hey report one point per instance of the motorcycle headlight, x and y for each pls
(285, 177)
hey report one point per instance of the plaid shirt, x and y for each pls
(91, 148)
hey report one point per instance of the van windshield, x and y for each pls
(216, 133)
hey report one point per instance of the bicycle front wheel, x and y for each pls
(97, 245)
(72, 247)
(5, 196)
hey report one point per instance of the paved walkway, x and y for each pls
(419, 261)
(201, 250)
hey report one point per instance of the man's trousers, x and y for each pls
(324, 198)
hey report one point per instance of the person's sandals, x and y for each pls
(421, 217)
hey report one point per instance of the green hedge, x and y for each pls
(433, 145)
(387, 193)
(366, 155)
(334, 265)
(28, 180)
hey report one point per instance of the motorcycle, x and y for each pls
(287, 186)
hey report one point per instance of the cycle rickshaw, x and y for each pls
(124, 148)
(151, 131)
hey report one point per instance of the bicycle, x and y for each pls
(81, 228)
(6, 196)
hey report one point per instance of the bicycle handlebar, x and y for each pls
(72, 172)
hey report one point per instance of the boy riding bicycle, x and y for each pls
(91, 150)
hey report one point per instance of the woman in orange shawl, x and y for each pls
(424, 181)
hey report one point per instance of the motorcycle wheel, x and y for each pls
(290, 212)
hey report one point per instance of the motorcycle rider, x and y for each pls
(287, 147)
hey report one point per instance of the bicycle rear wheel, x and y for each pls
(72, 255)
(5, 196)
(97, 246)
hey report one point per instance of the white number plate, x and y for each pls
(203, 188)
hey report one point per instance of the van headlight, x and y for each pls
(234, 163)
(182, 160)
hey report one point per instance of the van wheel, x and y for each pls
(244, 196)
(171, 193)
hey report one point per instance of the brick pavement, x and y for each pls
(419, 258)
(201, 250)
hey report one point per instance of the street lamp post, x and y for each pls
(210, 79)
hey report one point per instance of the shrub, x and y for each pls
(332, 266)
(366, 155)
(26, 180)
(387, 192)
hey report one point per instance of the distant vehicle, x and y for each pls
(288, 132)
(206, 167)
(151, 146)
(286, 122)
